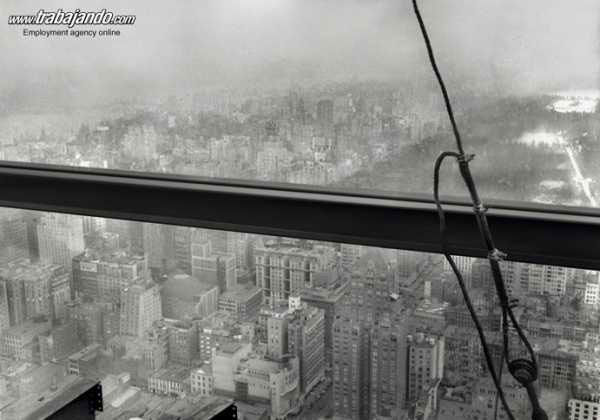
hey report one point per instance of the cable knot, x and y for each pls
(465, 158)
(496, 255)
(479, 208)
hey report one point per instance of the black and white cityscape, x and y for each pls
(174, 320)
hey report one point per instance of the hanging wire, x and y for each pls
(494, 254)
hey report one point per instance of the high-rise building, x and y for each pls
(212, 266)
(369, 343)
(370, 366)
(130, 233)
(584, 409)
(591, 294)
(537, 279)
(202, 381)
(407, 261)
(388, 383)
(284, 270)
(60, 342)
(584, 403)
(350, 254)
(299, 331)
(306, 340)
(93, 224)
(159, 245)
(223, 242)
(330, 301)
(225, 361)
(263, 380)
(351, 362)
(140, 307)
(103, 275)
(546, 279)
(21, 341)
(484, 399)
(371, 285)
(4, 312)
(60, 238)
(13, 235)
(186, 297)
(325, 111)
(243, 301)
(183, 342)
(34, 289)
(464, 264)
(96, 322)
(425, 363)
(182, 239)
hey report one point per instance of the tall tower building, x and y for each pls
(60, 238)
(210, 266)
(140, 307)
(182, 239)
(370, 365)
(547, 280)
(159, 245)
(351, 366)
(388, 366)
(370, 350)
(4, 313)
(425, 363)
(325, 111)
(130, 233)
(330, 301)
(223, 242)
(407, 261)
(13, 236)
(465, 265)
(306, 340)
(350, 254)
(299, 331)
(93, 224)
(371, 284)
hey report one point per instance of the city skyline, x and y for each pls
(328, 96)
(346, 331)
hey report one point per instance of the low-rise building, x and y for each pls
(21, 342)
(243, 301)
(202, 381)
(172, 380)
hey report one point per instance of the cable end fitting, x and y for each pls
(496, 255)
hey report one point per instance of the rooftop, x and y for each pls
(230, 347)
(185, 287)
(240, 292)
(116, 257)
(173, 373)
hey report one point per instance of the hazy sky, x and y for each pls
(507, 45)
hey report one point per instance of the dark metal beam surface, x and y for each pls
(533, 233)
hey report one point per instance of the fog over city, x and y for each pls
(501, 46)
(328, 93)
